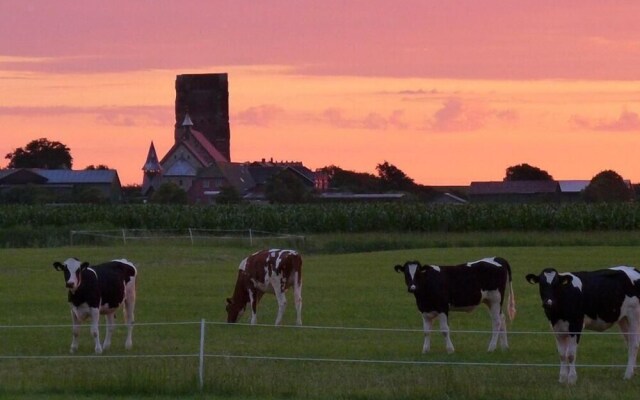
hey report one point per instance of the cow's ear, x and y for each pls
(229, 301)
(399, 268)
(84, 266)
(565, 279)
(58, 266)
(533, 279)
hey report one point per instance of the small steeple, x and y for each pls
(152, 166)
(187, 120)
(186, 126)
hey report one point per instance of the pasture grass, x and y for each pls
(330, 357)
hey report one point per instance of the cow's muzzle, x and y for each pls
(412, 288)
(547, 304)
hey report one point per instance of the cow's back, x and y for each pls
(113, 276)
(604, 291)
(264, 263)
(466, 282)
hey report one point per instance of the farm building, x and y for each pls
(514, 191)
(104, 184)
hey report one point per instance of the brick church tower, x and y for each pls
(205, 97)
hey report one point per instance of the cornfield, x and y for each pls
(328, 218)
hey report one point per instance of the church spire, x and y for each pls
(152, 165)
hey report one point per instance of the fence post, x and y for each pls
(191, 236)
(201, 368)
(250, 237)
(124, 237)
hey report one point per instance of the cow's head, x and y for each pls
(411, 270)
(72, 269)
(550, 282)
(235, 309)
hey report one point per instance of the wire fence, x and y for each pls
(202, 355)
(189, 235)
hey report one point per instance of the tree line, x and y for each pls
(285, 187)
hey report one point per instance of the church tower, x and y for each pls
(206, 98)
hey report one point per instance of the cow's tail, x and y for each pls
(511, 303)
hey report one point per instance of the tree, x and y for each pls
(96, 167)
(393, 178)
(169, 193)
(27, 194)
(607, 186)
(41, 153)
(350, 181)
(526, 172)
(228, 195)
(286, 187)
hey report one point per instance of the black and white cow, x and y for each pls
(440, 289)
(99, 289)
(594, 300)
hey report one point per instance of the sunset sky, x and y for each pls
(448, 91)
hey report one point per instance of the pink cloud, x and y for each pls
(626, 121)
(115, 116)
(425, 38)
(463, 116)
(455, 115)
(263, 115)
(372, 121)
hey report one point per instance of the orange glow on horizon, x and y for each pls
(438, 131)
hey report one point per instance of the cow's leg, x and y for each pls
(427, 319)
(75, 332)
(282, 304)
(297, 298)
(561, 344)
(95, 321)
(110, 325)
(504, 342)
(444, 328)
(629, 328)
(254, 298)
(572, 350)
(496, 323)
(129, 310)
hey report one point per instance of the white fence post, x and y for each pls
(250, 238)
(191, 236)
(124, 237)
(201, 368)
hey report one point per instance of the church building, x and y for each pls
(199, 161)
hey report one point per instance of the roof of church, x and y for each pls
(198, 145)
(181, 168)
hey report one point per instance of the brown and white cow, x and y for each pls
(267, 271)
(99, 289)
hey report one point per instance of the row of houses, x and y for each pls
(250, 179)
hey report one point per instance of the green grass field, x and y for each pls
(361, 338)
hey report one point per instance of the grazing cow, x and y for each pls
(594, 300)
(96, 290)
(440, 289)
(272, 271)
